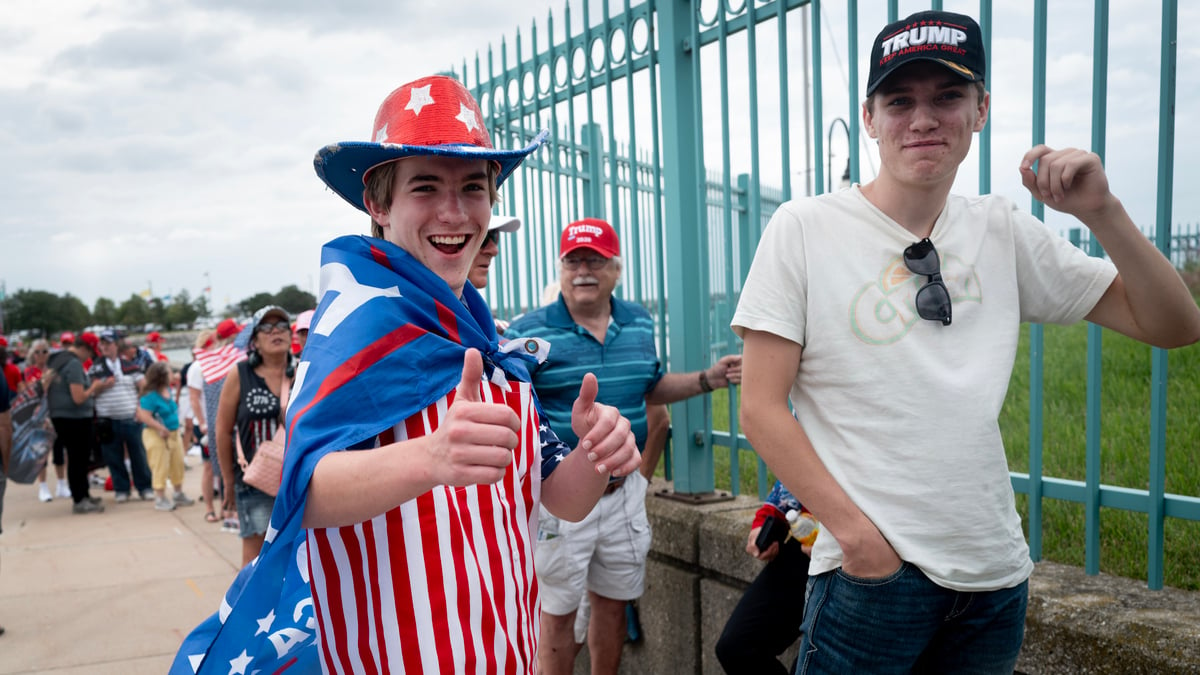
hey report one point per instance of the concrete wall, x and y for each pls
(1076, 623)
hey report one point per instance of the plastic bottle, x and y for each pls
(803, 526)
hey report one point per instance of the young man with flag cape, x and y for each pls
(402, 535)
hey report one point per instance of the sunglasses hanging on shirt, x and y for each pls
(933, 300)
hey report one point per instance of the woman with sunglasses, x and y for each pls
(251, 405)
(478, 274)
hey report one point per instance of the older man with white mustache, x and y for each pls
(603, 555)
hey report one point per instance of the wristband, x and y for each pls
(704, 385)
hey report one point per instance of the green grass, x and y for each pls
(1124, 447)
(1125, 443)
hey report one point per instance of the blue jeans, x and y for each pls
(126, 436)
(905, 623)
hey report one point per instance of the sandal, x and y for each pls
(210, 517)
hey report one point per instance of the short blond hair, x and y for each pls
(380, 189)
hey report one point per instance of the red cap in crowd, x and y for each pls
(3, 341)
(91, 340)
(67, 338)
(228, 328)
(590, 233)
(154, 336)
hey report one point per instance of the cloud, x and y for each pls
(150, 141)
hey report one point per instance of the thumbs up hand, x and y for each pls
(475, 440)
(604, 434)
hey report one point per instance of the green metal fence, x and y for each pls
(669, 119)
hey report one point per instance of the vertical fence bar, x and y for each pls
(1095, 334)
(614, 171)
(657, 194)
(985, 135)
(572, 125)
(557, 146)
(734, 391)
(852, 66)
(1036, 333)
(635, 258)
(500, 118)
(593, 193)
(785, 136)
(1158, 357)
(537, 244)
(818, 103)
(596, 195)
(735, 474)
(684, 185)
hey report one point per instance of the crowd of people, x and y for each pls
(458, 497)
(125, 416)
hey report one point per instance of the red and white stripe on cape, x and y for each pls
(450, 585)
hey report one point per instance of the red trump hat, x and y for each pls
(591, 233)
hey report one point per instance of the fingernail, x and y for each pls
(600, 468)
(591, 456)
(586, 445)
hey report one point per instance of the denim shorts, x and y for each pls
(254, 509)
(905, 623)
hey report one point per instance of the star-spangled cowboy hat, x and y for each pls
(432, 116)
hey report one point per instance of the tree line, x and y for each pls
(45, 313)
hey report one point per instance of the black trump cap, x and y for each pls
(953, 40)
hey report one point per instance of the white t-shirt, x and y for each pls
(195, 381)
(903, 411)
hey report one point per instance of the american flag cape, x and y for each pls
(387, 340)
(216, 363)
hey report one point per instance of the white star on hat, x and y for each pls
(419, 98)
(381, 135)
(467, 116)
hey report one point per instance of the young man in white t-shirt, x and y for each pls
(890, 315)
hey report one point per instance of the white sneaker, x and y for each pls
(64, 490)
(44, 493)
(164, 504)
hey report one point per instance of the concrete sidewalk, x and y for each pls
(113, 592)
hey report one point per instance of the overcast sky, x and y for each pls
(149, 142)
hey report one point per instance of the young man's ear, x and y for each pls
(379, 216)
(867, 122)
(985, 103)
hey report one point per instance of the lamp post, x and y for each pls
(829, 157)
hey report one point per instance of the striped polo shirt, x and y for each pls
(626, 365)
(119, 402)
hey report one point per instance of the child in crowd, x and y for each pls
(158, 410)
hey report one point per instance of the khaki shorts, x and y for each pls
(604, 553)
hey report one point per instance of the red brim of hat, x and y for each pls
(342, 166)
